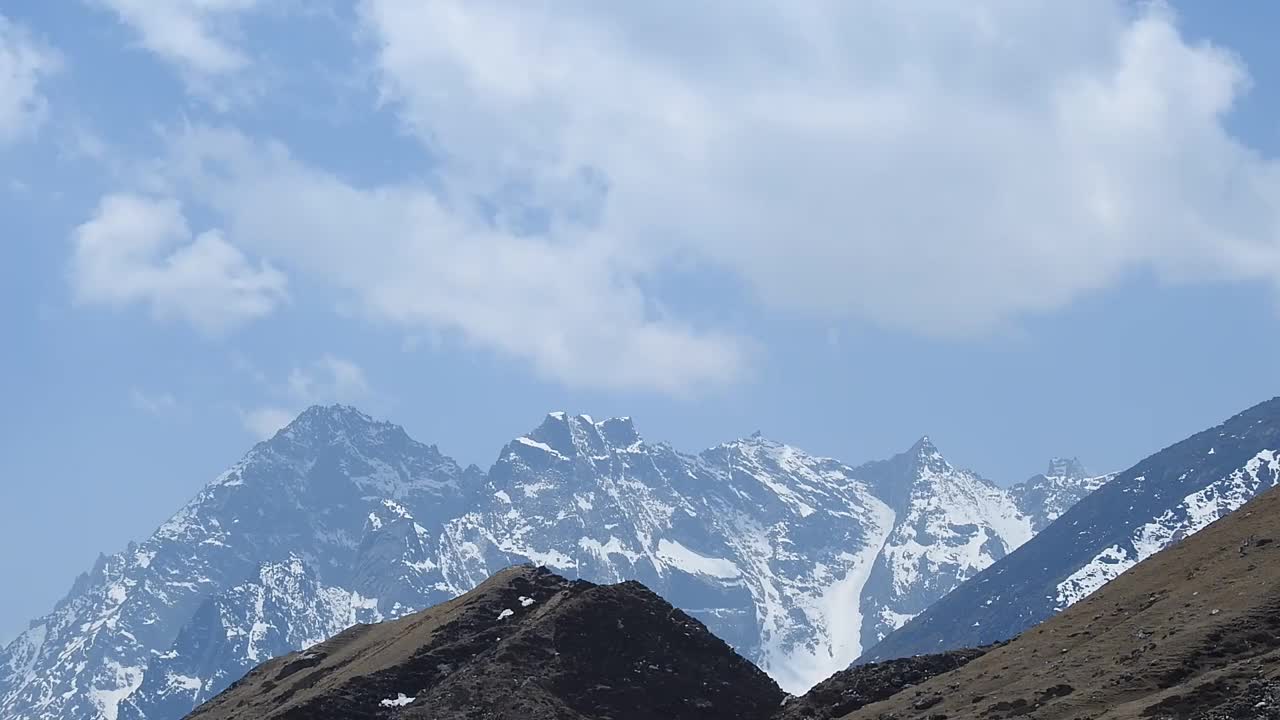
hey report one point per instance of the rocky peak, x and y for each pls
(571, 436)
(330, 420)
(619, 432)
(896, 479)
(1069, 468)
(329, 427)
(925, 456)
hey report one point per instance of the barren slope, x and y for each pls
(527, 645)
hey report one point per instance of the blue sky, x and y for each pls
(1026, 229)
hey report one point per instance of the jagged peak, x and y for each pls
(924, 455)
(924, 447)
(755, 440)
(334, 412)
(331, 421)
(571, 435)
(1066, 467)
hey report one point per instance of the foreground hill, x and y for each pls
(1145, 509)
(1192, 633)
(524, 645)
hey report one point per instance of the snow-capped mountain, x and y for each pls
(285, 608)
(766, 545)
(950, 525)
(305, 494)
(1170, 495)
(1046, 496)
(798, 562)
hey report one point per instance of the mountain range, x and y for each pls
(799, 563)
(1191, 633)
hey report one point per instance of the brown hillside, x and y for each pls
(525, 645)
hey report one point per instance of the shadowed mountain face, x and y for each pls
(524, 645)
(1156, 503)
(1191, 633)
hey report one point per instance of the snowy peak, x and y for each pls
(565, 437)
(950, 525)
(914, 473)
(331, 422)
(619, 432)
(924, 448)
(927, 460)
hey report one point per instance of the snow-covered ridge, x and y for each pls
(799, 562)
(1196, 511)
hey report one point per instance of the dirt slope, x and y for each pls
(1191, 633)
(525, 645)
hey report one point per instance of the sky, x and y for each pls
(1025, 229)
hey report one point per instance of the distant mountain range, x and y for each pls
(1192, 633)
(800, 563)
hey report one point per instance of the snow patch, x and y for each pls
(673, 553)
(400, 700)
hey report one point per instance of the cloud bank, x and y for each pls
(940, 170)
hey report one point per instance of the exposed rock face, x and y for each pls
(525, 645)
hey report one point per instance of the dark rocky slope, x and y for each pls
(1192, 633)
(526, 645)
(859, 686)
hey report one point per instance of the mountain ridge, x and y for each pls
(762, 542)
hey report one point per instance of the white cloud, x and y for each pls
(197, 35)
(566, 304)
(159, 404)
(140, 250)
(943, 168)
(24, 65)
(329, 379)
(264, 422)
